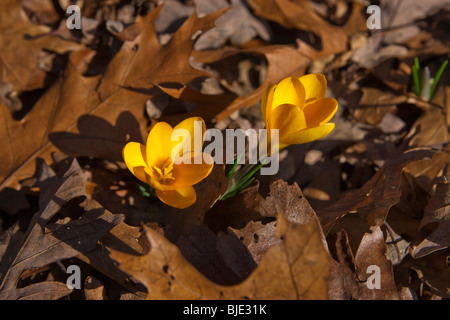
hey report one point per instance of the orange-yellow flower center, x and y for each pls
(164, 175)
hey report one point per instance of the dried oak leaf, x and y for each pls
(222, 258)
(436, 217)
(344, 278)
(374, 199)
(299, 14)
(57, 110)
(237, 25)
(372, 252)
(282, 61)
(349, 279)
(94, 289)
(251, 217)
(140, 65)
(24, 46)
(143, 62)
(297, 268)
(46, 242)
(121, 237)
(433, 270)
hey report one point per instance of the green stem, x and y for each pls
(436, 79)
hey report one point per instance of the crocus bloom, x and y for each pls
(297, 107)
(154, 163)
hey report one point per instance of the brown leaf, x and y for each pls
(249, 205)
(333, 38)
(48, 290)
(374, 199)
(27, 139)
(44, 11)
(221, 258)
(372, 252)
(351, 275)
(94, 289)
(436, 217)
(431, 127)
(122, 237)
(282, 61)
(23, 44)
(344, 279)
(433, 270)
(251, 217)
(288, 200)
(124, 86)
(298, 268)
(46, 242)
(237, 25)
(131, 67)
(258, 238)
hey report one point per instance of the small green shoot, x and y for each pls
(424, 84)
(240, 179)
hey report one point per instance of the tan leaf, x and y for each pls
(372, 252)
(435, 222)
(374, 199)
(120, 89)
(45, 243)
(297, 268)
(23, 44)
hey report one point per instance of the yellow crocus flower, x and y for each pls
(154, 163)
(297, 107)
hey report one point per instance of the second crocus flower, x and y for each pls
(297, 107)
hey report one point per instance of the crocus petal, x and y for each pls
(315, 85)
(288, 91)
(159, 144)
(307, 135)
(179, 198)
(266, 101)
(320, 111)
(287, 118)
(134, 154)
(192, 135)
(199, 166)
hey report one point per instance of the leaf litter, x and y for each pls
(372, 193)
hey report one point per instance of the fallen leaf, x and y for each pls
(298, 268)
(23, 46)
(433, 271)
(46, 242)
(374, 199)
(237, 25)
(124, 86)
(436, 216)
(27, 139)
(222, 258)
(282, 61)
(48, 290)
(344, 280)
(94, 289)
(372, 252)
